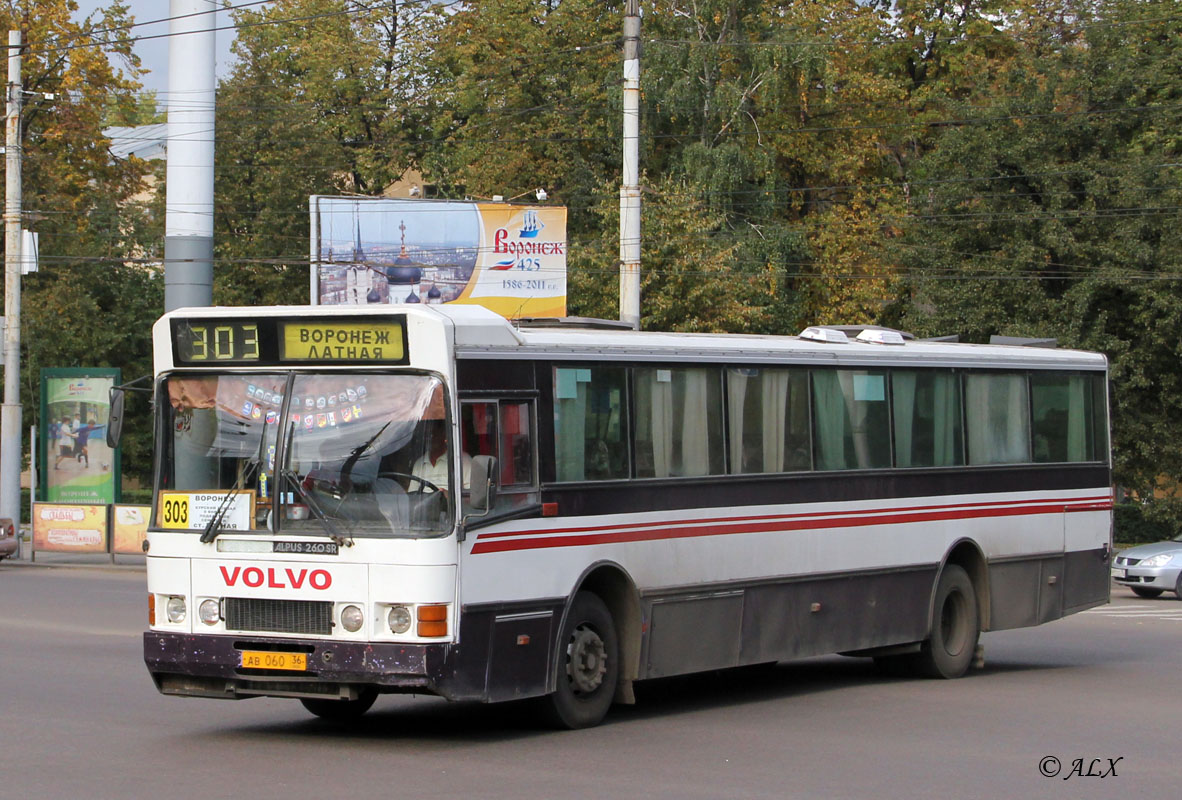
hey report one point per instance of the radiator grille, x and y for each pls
(278, 616)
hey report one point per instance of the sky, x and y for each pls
(154, 52)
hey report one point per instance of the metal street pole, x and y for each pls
(188, 202)
(10, 412)
(630, 183)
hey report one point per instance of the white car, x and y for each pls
(8, 541)
(1150, 569)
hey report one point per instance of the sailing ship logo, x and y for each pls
(530, 226)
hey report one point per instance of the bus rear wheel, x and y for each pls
(952, 642)
(587, 666)
(341, 710)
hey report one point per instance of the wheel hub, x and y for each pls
(586, 661)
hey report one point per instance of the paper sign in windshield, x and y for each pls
(195, 510)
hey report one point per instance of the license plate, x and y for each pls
(254, 659)
(1119, 573)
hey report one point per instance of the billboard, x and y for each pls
(508, 258)
(76, 464)
(129, 528)
(69, 528)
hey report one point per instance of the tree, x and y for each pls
(1051, 210)
(88, 304)
(309, 109)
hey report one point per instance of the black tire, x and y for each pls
(1148, 594)
(952, 643)
(1178, 587)
(341, 710)
(587, 665)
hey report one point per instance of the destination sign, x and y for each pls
(342, 341)
(218, 341)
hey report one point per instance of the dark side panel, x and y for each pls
(1086, 579)
(776, 621)
(1030, 592)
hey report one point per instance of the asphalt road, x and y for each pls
(79, 718)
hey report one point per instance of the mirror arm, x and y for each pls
(131, 386)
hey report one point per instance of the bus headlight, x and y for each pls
(352, 618)
(210, 611)
(175, 609)
(400, 619)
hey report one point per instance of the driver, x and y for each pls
(432, 465)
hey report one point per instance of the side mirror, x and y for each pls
(115, 417)
(483, 481)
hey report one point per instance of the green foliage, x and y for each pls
(137, 109)
(89, 304)
(999, 167)
(301, 114)
(1050, 212)
(1138, 524)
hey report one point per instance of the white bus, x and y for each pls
(354, 501)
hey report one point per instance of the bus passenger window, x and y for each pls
(768, 420)
(1064, 407)
(997, 411)
(850, 416)
(678, 423)
(589, 424)
(927, 417)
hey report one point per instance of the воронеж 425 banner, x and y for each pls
(508, 258)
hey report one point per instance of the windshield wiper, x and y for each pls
(355, 456)
(213, 527)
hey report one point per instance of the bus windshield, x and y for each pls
(342, 454)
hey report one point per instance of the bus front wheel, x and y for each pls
(587, 665)
(340, 710)
(950, 648)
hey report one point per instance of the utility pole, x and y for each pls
(630, 184)
(10, 412)
(188, 202)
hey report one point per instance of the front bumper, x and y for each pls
(210, 666)
(1164, 578)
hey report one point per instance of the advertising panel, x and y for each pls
(71, 528)
(508, 258)
(129, 529)
(76, 464)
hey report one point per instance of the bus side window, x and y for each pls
(503, 430)
(927, 415)
(850, 419)
(768, 420)
(590, 424)
(1065, 410)
(517, 452)
(478, 428)
(997, 416)
(678, 422)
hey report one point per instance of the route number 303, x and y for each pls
(174, 512)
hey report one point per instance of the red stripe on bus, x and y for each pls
(801, 522)
(1069, 505)
(1098, 503)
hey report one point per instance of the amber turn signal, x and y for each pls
(151, 609)
(432, 621)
